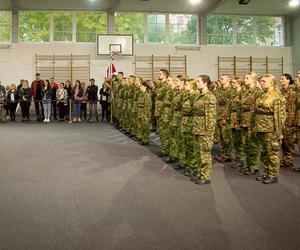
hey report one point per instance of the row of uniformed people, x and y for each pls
(250, 115)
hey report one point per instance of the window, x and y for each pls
(34, 26)
(90, 24)
(63, 26)
(219, 30)
(269, 31)
(247, 30)
(130, 23)
(183, 29)
(244, 30)
(156, 28)
(5, 26)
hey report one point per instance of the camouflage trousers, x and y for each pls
(298, 136)
(127, 120)
(186, 150)
(202, 156)
(249, 148)
(2, 113)
(288, 146)
(134, 124)
(236, 142)
(175, 139)
(225, 138)
(270, 153)
(164, 136)
(122, 118)
(143, 132)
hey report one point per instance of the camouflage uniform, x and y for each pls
(204, 123)
(270, 114)
(144, 104)
(234, 120)
(223, 97)
(249, 150)
(160, 92)
(128, 110)
(175, 129)
(166, 117)
(120, 103)
(288, 146)
(134, 119)
(114, 94)
(186, 151)
(297, 121)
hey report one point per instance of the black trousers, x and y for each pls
(12, 110)
(54, 108)
(83, 110)
(61, 110)
(93, 105)
(25, 107)
(105, 110)
(39, 113)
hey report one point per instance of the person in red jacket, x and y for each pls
(36, 88)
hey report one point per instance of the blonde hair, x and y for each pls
(271, 77)
(192, 83)
(240, 80)
(13, 86)
(253, 75)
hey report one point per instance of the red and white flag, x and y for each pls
(110, 70)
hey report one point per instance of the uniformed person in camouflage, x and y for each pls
(120, 102)
(249, 151)
(160, 92)
(234, 116)
(297, 119)
(134, 119)
(129, 104)
(270, 115)
(204, 123)
(223, 95)
(288, 146)
(166, 117)
(144, 105)
(176, 107)
(186, 151)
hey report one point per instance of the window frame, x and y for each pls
(11, 26)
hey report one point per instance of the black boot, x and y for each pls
(270, 180)
(261, 177)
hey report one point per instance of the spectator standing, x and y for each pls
(36, 88)
(105, 100)
(54, 87)
(25, 96)
(46, 97)
(92, 91)
(62, 101)
(77, 96)
(12, 101)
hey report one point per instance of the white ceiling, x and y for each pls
(119, 5)
(272, 7)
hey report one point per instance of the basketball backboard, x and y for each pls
(123, 44)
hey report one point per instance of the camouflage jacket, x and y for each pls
(205, 114)
(187, 113)
(234, 109)
(144, 103)
(290, 99)
(247, 100)
(177, 107)
(160, 92)
(223, 99)
(270, 112)
(130, 94)
(125, 97)
(136, 92)
(297, 118)
(120, 96)
(167, 103)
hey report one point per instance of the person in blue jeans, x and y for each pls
(77, 97)
(46, 99)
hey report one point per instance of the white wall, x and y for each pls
(19, 61)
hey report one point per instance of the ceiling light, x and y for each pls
(195, 1)
(294, 3)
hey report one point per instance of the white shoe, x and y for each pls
(79, 119)
(48, 120)
(45, 120)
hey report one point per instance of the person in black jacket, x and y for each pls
(68, 87)
(92, 91)
(12, 101)
(2, 101)
(54, 87)
(46, 98)
(25, 96)
(105, 100)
